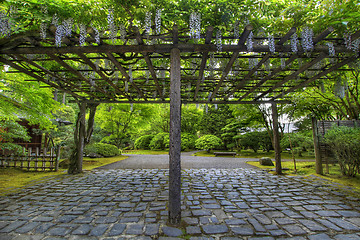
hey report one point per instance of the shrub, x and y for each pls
(301, 142)
(159, 141)
(344, 142)
(208, 142)
(251, 140)
(187, 141)
(103, 149)
(143, 142)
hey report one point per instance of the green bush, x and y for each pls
(103, 149)
(301, 142)
(187, 141)
(143, 142)
(159, 141)
(208, 142)
(251, 140)
(344, 142)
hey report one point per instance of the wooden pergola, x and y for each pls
(177, 69)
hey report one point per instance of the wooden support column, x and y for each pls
(276, 138)
(318, 162)
(175, 139)
(81, 140)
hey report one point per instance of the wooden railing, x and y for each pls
(32, 159)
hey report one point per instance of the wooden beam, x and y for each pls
(73, 86)
(39, 78)
(104, 77)
(204, 58)
(158, 48)
(294, 75)
(262, 61)
(148, 61)
(175, 139)
(77, 73)
(321, 74)
(323, 35)
(242, 40)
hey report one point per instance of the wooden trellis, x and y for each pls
(137, 69)
(175, 68)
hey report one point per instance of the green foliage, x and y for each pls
(143, 142)
(230, 131)
(214, 120)
(103, 149)
(208, 142)
(300, 141)
(344, 143)
(10, 130)
(159, 142)
(121, 121)
(187, 141)
(256, 141)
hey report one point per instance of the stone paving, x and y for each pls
(225, 204)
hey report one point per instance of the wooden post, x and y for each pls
(318, 162)
(81, 142)
(175, 139)
(57, 158)
(276, 138)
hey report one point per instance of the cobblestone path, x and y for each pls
(223, 204)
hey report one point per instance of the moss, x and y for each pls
(13, 179)
(307, 169)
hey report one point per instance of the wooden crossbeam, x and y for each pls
(77, 73)
(39, 78)
(104, 77)
(323, 35)
(321, 74)
(262, 61)
(124, 73)
(148, 61)
(73, 86)
(208, 36)
(273, 74)
(159, 48)
(241, 42)
(294, 75)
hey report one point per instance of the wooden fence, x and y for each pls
(32, 159)
(320, 128)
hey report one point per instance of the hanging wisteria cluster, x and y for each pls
(331, 49)
(218, 41)
(294, 43)
(5, 25)
(158, 21)
(82, 37)
(271, 43)
(307, 39)
(112, 25)
(147, 22)
(195, 25)
(250, 42)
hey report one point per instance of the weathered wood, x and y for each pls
(78, 74)
(321, 74)
(323, 35)
(204, 58)
(231, 62)
(276, 140)
(293, 75)
(175, 139)
(273, 74)
(81, 140)
(318, 162)
(159, 48)
(102, 75)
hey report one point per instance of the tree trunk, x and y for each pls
(82, 135)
